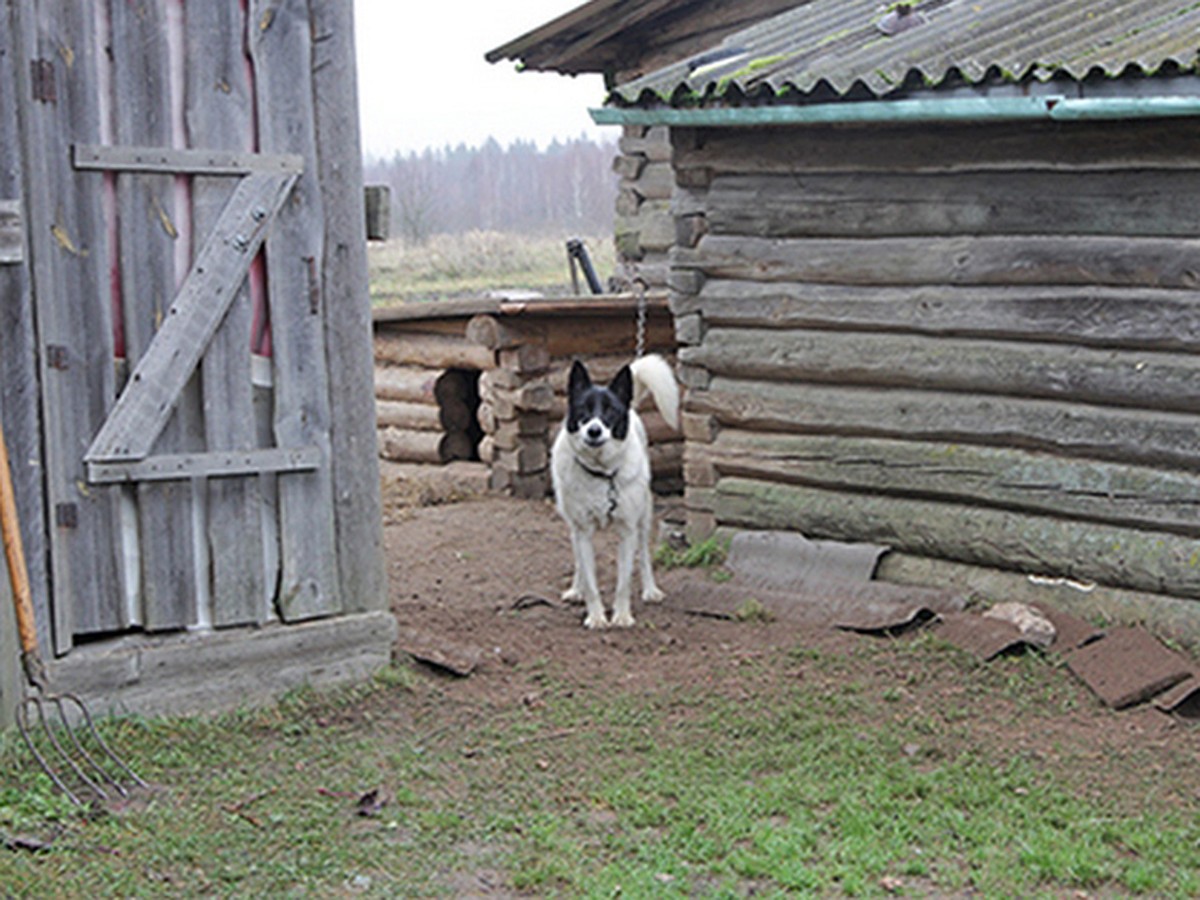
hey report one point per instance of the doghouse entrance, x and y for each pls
(428, 415)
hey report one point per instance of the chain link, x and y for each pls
(641, 318)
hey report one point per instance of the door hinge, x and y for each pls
(41, 80)
(57, 357)
(66, 515)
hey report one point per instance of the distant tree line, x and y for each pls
(567, 187)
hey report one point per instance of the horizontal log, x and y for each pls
(1134, 203)
(1046, 545)
(698, 427)
(536, 397)
(529, 455)
(1016, 260)
(401, 445)
(1019, 146)
(1104, 316)
(485, 415)
(433, 351)
(495, 334)
(412, 384)
(509, 434)
(615, 334)
(453, 415)
(1141, 379)
(999, 477)
(523, 359)
(408, 416)
(655, 144)
(655, 181)
(666, 460)
(1120, 435)
(487, 449)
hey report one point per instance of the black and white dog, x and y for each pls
(601, 473)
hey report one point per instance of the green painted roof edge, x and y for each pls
(966, 109)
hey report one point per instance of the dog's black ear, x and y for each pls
(622, 385)
(579, 381)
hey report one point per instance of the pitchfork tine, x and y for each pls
(35, 669)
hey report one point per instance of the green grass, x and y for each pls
(825, 779)
(466, 265)
(707, 554)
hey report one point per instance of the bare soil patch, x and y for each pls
(484, 572)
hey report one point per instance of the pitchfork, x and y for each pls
(52, 713)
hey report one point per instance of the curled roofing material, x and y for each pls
(844, 46)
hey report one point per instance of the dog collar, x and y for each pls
(610, 477)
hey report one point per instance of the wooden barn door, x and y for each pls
(183, 373)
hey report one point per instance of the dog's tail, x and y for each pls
(653, 374)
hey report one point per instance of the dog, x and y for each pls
(600, 470)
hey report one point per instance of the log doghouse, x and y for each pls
(486, 380)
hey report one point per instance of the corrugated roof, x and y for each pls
(848, 45)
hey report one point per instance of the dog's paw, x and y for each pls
(572, 595)
(595, 623)
(653, 595)
(622, 620)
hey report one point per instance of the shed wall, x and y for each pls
(976, 344)
(191, 421)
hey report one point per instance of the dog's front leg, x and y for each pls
(583, 582)
(650, 591)
(622, 614)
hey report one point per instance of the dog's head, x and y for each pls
(598, 414)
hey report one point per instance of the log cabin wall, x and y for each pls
(974, 343)
(644, 229)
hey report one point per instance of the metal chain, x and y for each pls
(641, 317)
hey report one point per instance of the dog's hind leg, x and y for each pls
(650, 590)
(583, 582)
(626, 546)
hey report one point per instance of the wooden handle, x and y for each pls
(18, 576)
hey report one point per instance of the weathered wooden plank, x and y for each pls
(149, 223)
(358, 509)
(1133, 203)
(1113, 317)
(1142, 379)
(999, 477)
(19, 400)
(203, 159)
(219, 114)
(1046, 545)
(281, 48)
(215, 464)
(1121, 435)
(71, 285)
(1009, 146)
(194, 673)
(210, 287)
(1146, 262)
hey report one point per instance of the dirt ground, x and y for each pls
(478, 576)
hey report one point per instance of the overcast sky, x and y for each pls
(423, 81)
